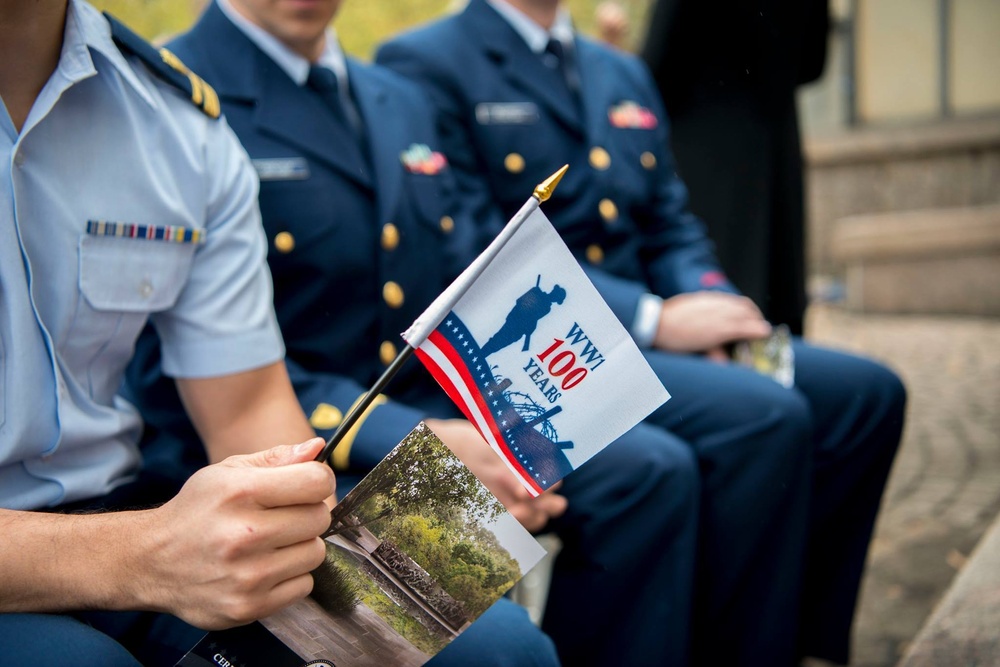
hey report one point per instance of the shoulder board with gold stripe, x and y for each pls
(167, 66)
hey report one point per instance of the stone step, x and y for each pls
(932, 261)
(964, 629)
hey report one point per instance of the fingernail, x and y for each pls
(303, 447)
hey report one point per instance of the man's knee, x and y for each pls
(671, 466)
(883, 406)
(890, 389)
(857, 402)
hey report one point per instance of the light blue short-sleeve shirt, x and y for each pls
(106, 150)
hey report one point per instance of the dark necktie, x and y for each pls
(324, 81)
(557, 57)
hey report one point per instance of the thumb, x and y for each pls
(553, 504)
(281, 455)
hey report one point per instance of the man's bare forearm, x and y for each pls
(245, 412)
(236, 544)
(56, 562)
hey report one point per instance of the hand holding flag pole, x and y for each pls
(433, 316)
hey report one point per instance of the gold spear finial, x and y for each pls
(545, 189)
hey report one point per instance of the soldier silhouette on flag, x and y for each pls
(523, 318)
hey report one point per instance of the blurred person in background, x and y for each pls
(728, 72)
(612, 23)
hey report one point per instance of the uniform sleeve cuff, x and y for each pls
(226, 355)
(647, 320)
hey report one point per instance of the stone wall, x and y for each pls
(906, 220)
(946, 165)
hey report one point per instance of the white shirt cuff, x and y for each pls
(647, 320)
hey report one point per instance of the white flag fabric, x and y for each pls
(534, 357)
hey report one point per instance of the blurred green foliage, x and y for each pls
(153, 19)
(361, 24)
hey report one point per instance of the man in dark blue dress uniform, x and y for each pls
(518, 94)
(364, 231)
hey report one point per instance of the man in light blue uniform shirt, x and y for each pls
(122, 202)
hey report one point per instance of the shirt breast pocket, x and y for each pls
(132, 275)
(122, 281)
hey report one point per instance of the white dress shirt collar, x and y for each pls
(533, 34)
(294, 65)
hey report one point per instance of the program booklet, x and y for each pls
(416, 552)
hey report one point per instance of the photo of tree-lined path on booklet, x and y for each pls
(415, 553)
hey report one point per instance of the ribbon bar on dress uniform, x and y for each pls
(420, 159)
(631, 115)
(130, 230)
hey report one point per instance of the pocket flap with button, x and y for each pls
(133, 275)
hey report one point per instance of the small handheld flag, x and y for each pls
(534, 357)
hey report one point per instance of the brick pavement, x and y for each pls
(944, 490)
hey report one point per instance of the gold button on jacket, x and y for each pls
(284, 242)
(393, 294)
(599, 158)
(386, 352)
(514, 163)
(390, 237)
(595, 254)
(608, 209)
(447, 224)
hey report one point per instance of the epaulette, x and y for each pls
(167, 66)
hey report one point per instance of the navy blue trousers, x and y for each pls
(128, 639)
(729, 528)
(94, 639)
(791, 484)
(622, 585)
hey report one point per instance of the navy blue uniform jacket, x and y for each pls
(508, 122)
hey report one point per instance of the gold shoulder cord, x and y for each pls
(202, 94)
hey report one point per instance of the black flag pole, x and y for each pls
(359, 409)
(441, 307)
